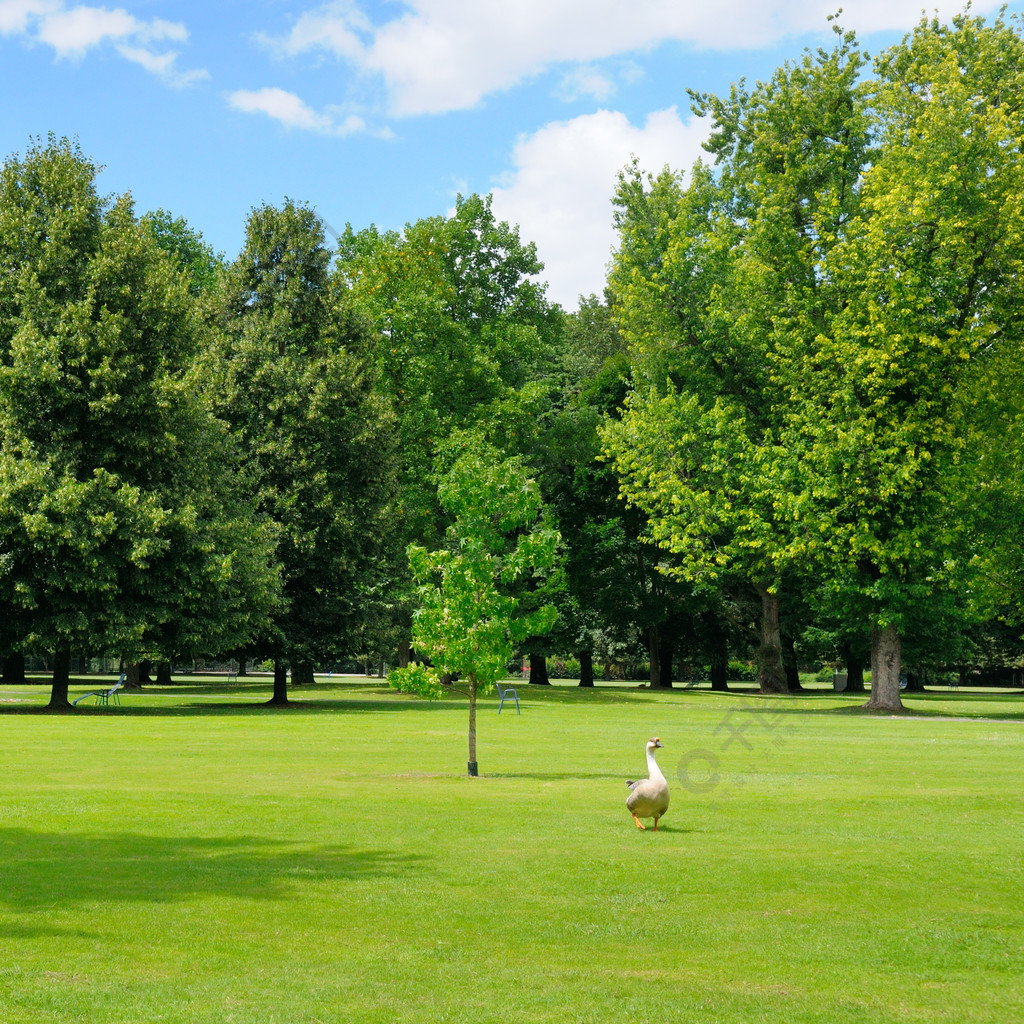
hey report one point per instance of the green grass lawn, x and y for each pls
(192, 857)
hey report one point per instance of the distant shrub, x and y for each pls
(565, 668)
(742, 672)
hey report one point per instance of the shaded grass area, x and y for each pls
(195, 857)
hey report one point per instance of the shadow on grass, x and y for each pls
(337, 697)
(44, 869)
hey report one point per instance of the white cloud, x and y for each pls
(16, 14)
(72, 32)
(338, 28)
(586, 80)
(561, 189)
(292, 112)
(163, 65)
(443, 55)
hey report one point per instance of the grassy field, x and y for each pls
(192, 857)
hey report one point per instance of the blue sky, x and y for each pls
(380, 112)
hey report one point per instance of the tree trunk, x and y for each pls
(14, 668)
(61, 678)
(885, 669)
(404, 649)
(471, 765)
(242, 664)
(163, 674)
(718, 656)
(771, 675)
(145, 667)
(790, 664)
(280, 698)
(915, 683)
(586, 660)
(539, 670)
(131, 676)
(854, 671)
(654, 657)
(666, 657)
(303, 674)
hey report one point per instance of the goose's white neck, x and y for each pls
(653, 771)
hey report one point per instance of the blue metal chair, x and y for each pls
(104, 697)
(507, 691)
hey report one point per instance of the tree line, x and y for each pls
(791, 425)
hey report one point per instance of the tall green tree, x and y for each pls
(469, 617)
(716, 283)
(900, 387)
(317, 435)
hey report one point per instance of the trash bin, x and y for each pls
(839, 681)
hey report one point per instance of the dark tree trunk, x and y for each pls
(145, 667)
(654, 657)
(886, 650)
(606, 673)
(771, 675)
(915, 683)
(539, 670)
(242, 664)
(790, 664)
(586, 660)
(471, 765)
(404, 653)
(302, 674)
(666, 657)
(280, 698)
(163, 674)
(854, 671)
(61, 678)
(14, 668)
(718, 657)
(131, 676)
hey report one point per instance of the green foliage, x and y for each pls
(470, 617)
(705, 281)
(121, 517)
(187, 248)
(460, 324)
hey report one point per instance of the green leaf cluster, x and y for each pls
(469, 617)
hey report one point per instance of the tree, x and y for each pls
(317, 436)
(900, 385)
(110, 537)
(715, 286)
(461, 324)
(469, 620)
(187, 248)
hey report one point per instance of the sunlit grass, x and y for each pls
(195, 857)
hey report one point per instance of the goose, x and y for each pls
(649, 798)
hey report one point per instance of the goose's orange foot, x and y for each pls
(639, 824)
